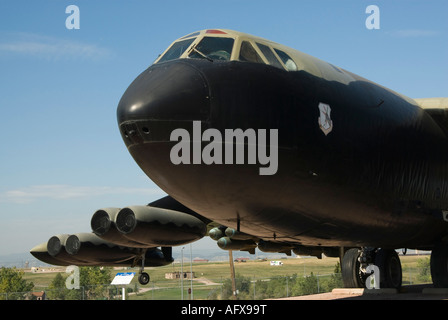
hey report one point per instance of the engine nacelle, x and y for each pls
(55, 249)
(103, 225)
(41, 252)
(159, 227)
(89, 247)
(88, 250)
(56, 244)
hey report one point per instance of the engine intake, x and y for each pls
(56, 244)
(103, 225)
(158, 226)
(102, 220)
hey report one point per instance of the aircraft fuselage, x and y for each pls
(358, 164)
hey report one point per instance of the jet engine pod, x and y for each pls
(103, 225)
(102, 220)
(41, 252)
(159, 227)
(89, 247)
(56, 248)
(56, 244)
(88, 250)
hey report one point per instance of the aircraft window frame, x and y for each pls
(289, 63)
(171, 52)
(218, 55)
(269, 55)
(194, 34)
(251, 47)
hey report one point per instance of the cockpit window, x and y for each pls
(287, 61)
(248, 53)
(273, 61)
(215, 48)
(176, 50)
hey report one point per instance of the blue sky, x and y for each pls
(62, 156)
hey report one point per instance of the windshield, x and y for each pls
(215, 48)
(287, 60)
(248, 53)
(269, 55)
(176, 50)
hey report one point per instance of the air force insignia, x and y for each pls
(325, 122)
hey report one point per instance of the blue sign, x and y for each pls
(123, 278)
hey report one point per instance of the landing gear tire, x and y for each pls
(143, 278)
(352, 276)
(389, 264)
(354, 273)
(439, 265)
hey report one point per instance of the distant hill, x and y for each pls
(26, 260)
(20, 260)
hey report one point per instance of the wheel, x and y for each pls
(143, 278)
(439, 265)
(388, 262)
(351, 272)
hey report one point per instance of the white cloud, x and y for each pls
(414, 33)
(51, 48)
(64, 192)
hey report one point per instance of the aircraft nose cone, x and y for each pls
(160, 98)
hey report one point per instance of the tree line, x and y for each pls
(93, 283)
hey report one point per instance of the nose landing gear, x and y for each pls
(151, 257)
(143, 277)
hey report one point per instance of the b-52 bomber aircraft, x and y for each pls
(261, 146)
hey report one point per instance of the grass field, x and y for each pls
(216, 271)
(210, 276)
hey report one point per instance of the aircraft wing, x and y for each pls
(437, 108)
(144, 236)
(129, 236)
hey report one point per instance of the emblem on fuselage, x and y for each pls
(325, 122)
